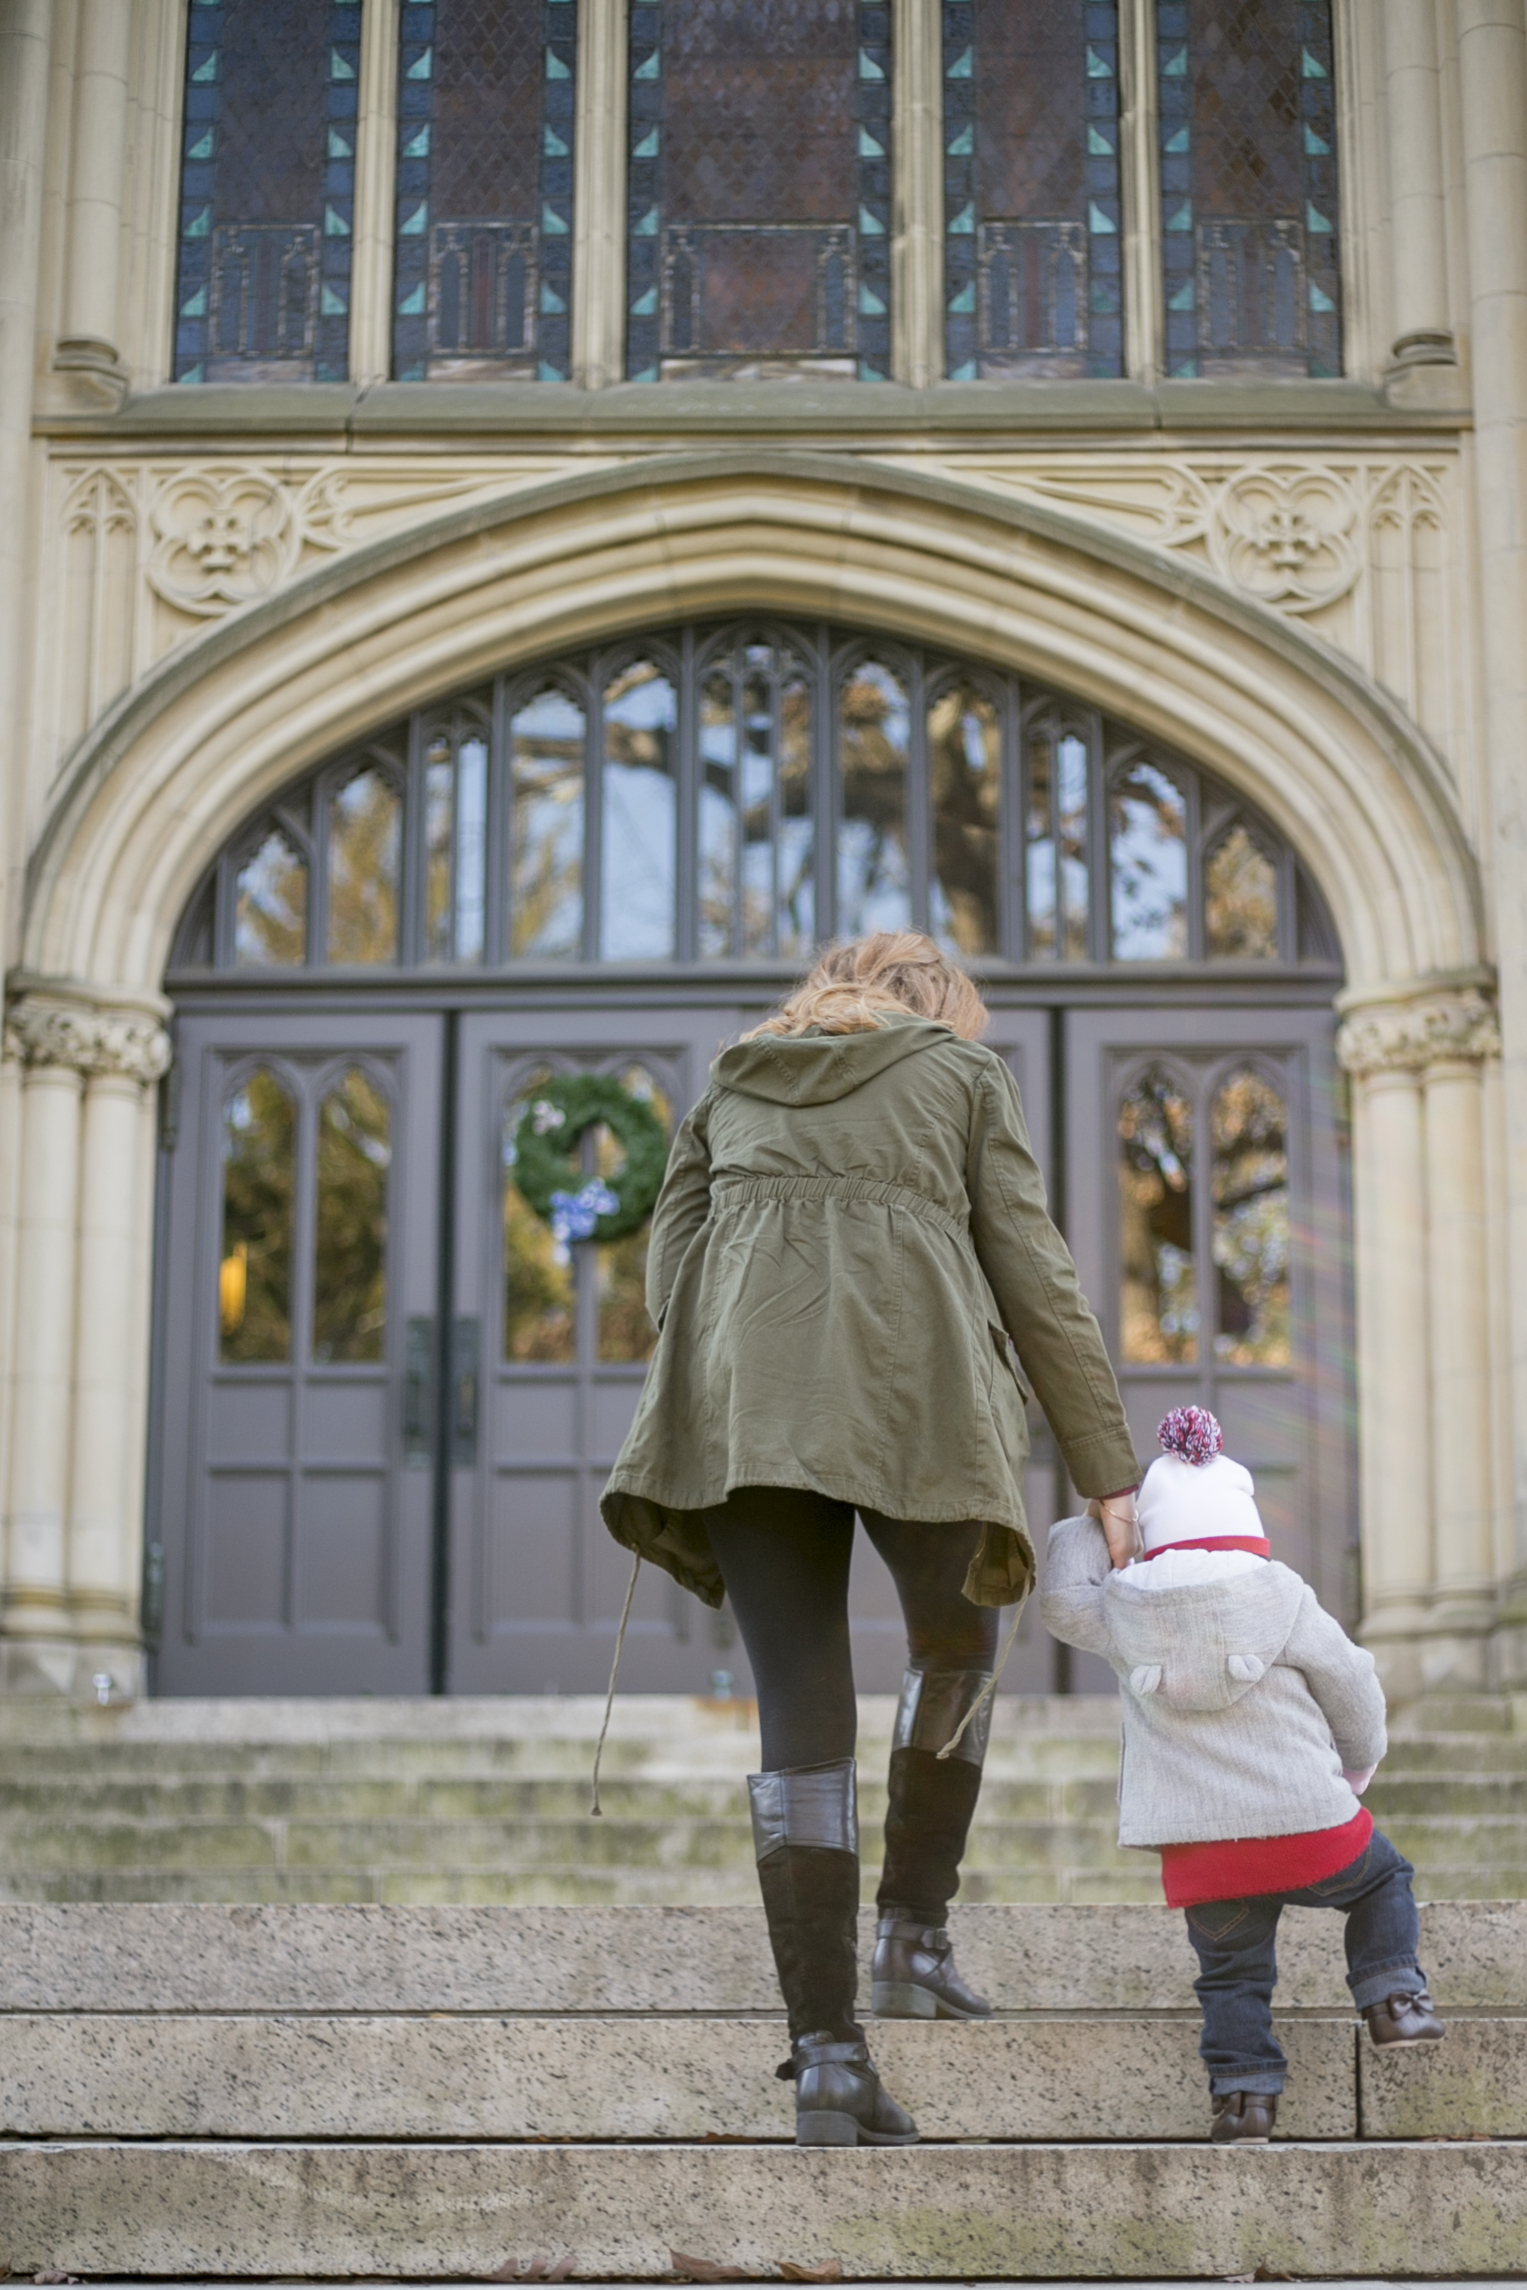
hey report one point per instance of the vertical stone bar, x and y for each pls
(376, 148)
(1423, 332)
(599, 197)
(1492, 63)
(917, 158)
(97, 169)
(1140, 190)
(1458, 1316)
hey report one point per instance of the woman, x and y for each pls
(851, 1228)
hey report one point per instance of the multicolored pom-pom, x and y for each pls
(1191, 1432)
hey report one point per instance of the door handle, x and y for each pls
(419, 1395)
(466, 1350)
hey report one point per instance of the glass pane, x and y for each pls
(755, 835)
(267, 192)
(758, 802)
(797, 845)
(486, 109)
(1055, 846)
(539, 1280)
(471, 847)
(439, 848)
(1158, 1296)
(1249, 213)
(718, 815)
(547, 740)
(620, 1266)
(1148, 865)
(365, 831)
(640, 816)
(874, 874)
(270, 918)
(965, 762)
(1240, 900)
(1031, 188)
(759, 189)
(254, 1276)
(350, 1252)
(455, 855)
(1251, 1223)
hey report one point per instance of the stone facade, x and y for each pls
(1317, 589)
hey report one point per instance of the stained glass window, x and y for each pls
(1248, 187)
(267, 191)
(759, 189)
(482, 285)
(1032, 278)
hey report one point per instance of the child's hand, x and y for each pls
(1115, 1514)
(1358, 1782)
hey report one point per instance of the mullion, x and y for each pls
(739, 687)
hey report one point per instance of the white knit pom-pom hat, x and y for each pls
(1193, 1495)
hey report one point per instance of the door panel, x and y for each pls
(302, 1219)
(1206, 1190)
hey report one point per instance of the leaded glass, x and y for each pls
(639, 816)
(1056, 876)
(365, 835)
(1148, 865)
(965, 782)
(1032, 277)
(1251, 1223)
(1240, 899)
(620, 1266)
(254, 1279)
(874, 741)
(270, 916)
(546, 801)
(1249, 217)
(350, 1222)
(482, 286)
(267, 191)
(539, 1278)
(759, 189)
(1158, 1302)
(756, 889)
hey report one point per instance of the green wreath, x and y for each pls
(546, 1168)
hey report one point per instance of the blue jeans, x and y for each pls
(1238, 1967)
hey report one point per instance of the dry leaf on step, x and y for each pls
(705, 2269)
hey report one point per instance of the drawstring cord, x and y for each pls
(609, 1700)
(990, 1687)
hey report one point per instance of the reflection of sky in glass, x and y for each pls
(1149, 866)
(1055, 858)
(640, 816)
(439, 815)
(874, 876)
(757, 788)
(471, 848)
(271, 905)
(546, 742)
(718, 816)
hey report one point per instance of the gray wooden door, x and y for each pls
(300, 1283)
(1206, 1194)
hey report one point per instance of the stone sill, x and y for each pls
(845, 414)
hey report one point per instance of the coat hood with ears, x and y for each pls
(1204, 1646)
(818, 1068)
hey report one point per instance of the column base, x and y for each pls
(74, 1671)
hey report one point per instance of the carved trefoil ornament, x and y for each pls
(1411, 1037)
(42, 1031)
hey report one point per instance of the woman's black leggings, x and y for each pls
(784, 1557)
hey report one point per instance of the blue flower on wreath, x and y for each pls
(574, 1215)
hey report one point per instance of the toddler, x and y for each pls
(1252, 1725)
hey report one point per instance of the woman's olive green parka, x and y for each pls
(851, 1228)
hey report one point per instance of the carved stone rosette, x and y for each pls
(1410, 1037)
(42, 1032)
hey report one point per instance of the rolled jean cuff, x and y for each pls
(1266, 2082)
(1402, 1978)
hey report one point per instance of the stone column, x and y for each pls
(1417, 218)
(111, 1333)
(599, 198)
(1425, 1392)
(97, 170)
(917, 209)
(376, 147)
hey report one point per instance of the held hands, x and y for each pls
(1115, 1514)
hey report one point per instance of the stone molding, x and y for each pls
(90, 1042)
(1446, 1029)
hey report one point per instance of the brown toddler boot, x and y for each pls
(1407, 2019)
(1243, 2118)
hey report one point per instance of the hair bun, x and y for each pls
(1192, 1433)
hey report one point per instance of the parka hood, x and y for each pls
(818, 1068)
(1202, 1647)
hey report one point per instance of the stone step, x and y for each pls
(444, 2210)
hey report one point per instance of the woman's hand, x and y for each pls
(1115, 1514)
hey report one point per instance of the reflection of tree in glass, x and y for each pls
(350, 1254)
(1159, 1292)
(1149, 866)
(1251, 1225)
(365, 826)
(965, 754)
(625, 1332)
(539, 1293)
(439, 841)
(270, 925)
(797, 869)
(640, 814)
(1240, 900)
(255, 1274)
(874, 882)
(547, 740)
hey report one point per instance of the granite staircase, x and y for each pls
(311, 2093)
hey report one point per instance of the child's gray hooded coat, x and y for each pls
(1243, 1700)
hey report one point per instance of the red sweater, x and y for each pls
(1234, 1868)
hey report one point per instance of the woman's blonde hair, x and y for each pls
(852, 987)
